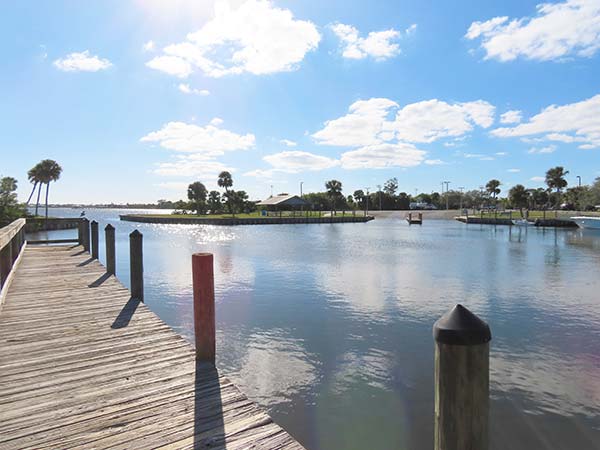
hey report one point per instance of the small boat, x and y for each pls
(522, 223)
(587, 222)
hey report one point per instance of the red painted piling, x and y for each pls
(204, 306)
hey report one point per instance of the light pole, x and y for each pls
(447, 183)
(271, 190)
(579, 180)
(301, 183)
(461, 196)
(367, 203)
(379, 193)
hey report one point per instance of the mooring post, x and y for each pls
(86, 234)
(462, 369)
(136, 265)
(80, 231)
(95, 252)
(109, 239)
(204, 306)
(420, 217)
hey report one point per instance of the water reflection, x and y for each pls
(329, 326)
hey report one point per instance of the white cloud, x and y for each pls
(514, 170)
(288, 143)
(208, 141)
(216, 121)
(189, 167)
(82, 62)
(479, 156)
(434, 162)
(542, 150)
(513, 116)
(172, 65)
(298, 161)
(538, 179)
(382, 156)
(574, 122)
(256, 37)
(149, 46)
(380, 120)
(558, 30)
(501, 153)
(186, 89)
(379, 45)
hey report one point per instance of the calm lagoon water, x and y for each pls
(329, 326)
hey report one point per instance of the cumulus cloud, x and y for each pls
(538, 179)
(511, 117)
(256, 37)
(172, 65)
(558, 30)
(288, 143)
(208, 141)
(82, 62)
(574, 122)
(434, 162)
(186, 89)
(379, 45)
(380, 120)
(382, 156)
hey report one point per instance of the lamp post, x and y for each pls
(579, 180)
(301, 183)
(461, 196)
(379, 194)
(447, 183)
(367, 203)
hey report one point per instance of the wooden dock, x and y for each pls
(83, 365)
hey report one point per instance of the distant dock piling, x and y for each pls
(461, 381)
(415, 220)
(85, 227)
(204, 306)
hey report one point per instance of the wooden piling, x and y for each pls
(95, 251)
(136, 265)
(461, 381)
(5, 263)
(86, 234)
(109, 239)
(204, 306)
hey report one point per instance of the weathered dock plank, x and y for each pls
(82, 365)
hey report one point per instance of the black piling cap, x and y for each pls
(459, 326)
(135, 234)
(109, 227)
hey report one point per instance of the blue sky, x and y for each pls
(136, 99)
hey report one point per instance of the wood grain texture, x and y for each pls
(83, 365)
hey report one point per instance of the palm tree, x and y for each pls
(493, 188)
(226, 181)
(196, 193)
(519, 197)
(33, 176)
(49, 170)
(214, 201)
(334, 190)
(555, 179)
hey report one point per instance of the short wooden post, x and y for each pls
(95, 252)
(204, 306)
(136, 265)
(481, 214)
(86, 234)
(409, 218)
(420, 217)
(461, 381)
(544, 213)
(109, 239)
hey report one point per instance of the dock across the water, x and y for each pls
(86, 364)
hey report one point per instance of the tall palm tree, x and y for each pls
(334, 191)
(33, 176)
(49, 171)
(555, 179)
(493, 188)
(226, 181)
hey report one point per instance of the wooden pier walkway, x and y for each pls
(82, 365)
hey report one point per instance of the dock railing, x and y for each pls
(12, 239)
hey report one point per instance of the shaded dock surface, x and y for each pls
(82, 365)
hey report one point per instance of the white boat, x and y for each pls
(522, 223)
(587, 222)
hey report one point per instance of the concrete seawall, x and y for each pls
(51, 224)
(558, 223)
(243, 221)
